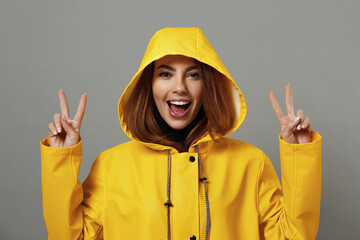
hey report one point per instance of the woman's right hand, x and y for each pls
(65, 132)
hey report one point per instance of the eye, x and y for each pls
(194, 75)
(164, 74)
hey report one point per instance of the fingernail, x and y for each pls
(298, 127)
(296, 119)
(59, 130)
(55, 133)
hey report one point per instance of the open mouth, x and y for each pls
(179, 107)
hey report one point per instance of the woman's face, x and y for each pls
(177, 86)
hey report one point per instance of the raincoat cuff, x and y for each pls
(59, 162)
(315, 136)
(45, 146)
(53, 155)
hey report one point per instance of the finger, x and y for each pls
(52, 130)
(57, 122)
(289, 100)
(289, 129)
(80, 111)
(306, 123)
(292, 125)
(63, 104)
(300, 114)
(67, 128)
(275, 105)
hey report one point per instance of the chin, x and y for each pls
(178, 125)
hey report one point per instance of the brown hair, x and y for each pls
(218, 115)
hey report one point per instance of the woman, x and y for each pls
(180, 177)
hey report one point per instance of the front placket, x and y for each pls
(184, 194)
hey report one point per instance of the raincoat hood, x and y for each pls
(189, 42)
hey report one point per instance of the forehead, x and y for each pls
(174, 60)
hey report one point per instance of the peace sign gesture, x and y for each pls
(65, 132)
(294, 129)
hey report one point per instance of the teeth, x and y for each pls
(179, 102)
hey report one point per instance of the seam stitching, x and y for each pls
(72, 167)
(295, 183)
(105, 195)
(258, 182)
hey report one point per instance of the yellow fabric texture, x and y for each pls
(124, 194)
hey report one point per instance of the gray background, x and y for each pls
(96, 46)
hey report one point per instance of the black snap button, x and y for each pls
(192, 237)
(192, 159)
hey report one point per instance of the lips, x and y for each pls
(178, 108)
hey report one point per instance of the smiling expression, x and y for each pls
(177, 86)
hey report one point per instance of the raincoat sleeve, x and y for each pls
(71, 210)
(293, 211)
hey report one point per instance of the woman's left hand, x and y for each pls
(294, 128)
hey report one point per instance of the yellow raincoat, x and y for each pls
(123, 197)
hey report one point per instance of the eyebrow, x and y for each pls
(173, 69)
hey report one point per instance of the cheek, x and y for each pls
(198, 92)
(158, 91)
(155, 89)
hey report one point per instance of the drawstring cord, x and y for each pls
(169, 204)
(203, 179)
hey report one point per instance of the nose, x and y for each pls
(179, 86)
